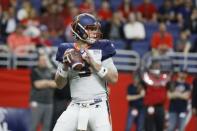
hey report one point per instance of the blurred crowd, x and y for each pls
(160, 101)
(38, 23)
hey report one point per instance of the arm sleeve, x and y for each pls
(108, 63)
(108, 50)
(61, 49)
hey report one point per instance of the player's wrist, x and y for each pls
(102, 72)
(62, 70)
(62, 73)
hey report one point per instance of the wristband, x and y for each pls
(61, 72)
(102, 72)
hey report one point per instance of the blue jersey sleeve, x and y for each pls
(61, 49)
(108, 49)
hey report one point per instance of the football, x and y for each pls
(75, 60)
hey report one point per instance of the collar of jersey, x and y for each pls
(77, 47)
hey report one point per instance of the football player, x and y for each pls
(89, 109)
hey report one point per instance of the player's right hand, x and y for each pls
(66, 59)
(66, 55)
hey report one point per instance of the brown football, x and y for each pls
(76, 61)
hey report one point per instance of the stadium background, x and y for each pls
(15, 81)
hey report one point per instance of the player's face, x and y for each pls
(94, 32)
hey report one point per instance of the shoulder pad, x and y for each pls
(107, 47)
(61, 49)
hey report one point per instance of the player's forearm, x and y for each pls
(108, 74)
(111, 76)
(61, 75)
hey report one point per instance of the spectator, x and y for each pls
(5, 4)
(32, 23)
(7, 23)
(162, 41)
(155, 97)
(183, 44)
(18, 40)
(55, 23)
(185, 12)
(135, 94)
(175, 15)
(126, 8)
(41, 99)
(113, 28)
(87, 6)
(193, 22)
(72, 12)
(53, 20)
(44, 39)
(165, 12)
(44, 6)
(194, 97)
(148, 10)
(37, 4)
(178, 94)
(133, 30)
(105, 13)
(24, 12)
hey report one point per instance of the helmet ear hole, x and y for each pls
(85, 36)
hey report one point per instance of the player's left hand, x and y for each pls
(90, 60)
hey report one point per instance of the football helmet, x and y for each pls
(86, 27)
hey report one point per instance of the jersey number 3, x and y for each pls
(85, 71)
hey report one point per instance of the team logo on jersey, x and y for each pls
(112, 45)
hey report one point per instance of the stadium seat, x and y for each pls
(174, 29)
(193, 38)
(156, 2)
(115, 4)
(150, 29)
(78, 2)
(141, 47)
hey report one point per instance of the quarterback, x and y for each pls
(89, 109)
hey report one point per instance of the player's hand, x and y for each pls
(66, 59)
(90, 60)
(87, 56)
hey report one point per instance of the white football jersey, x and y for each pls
(86, 84)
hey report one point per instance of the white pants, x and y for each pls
(97, 116)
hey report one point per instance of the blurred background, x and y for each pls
(141, 30)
